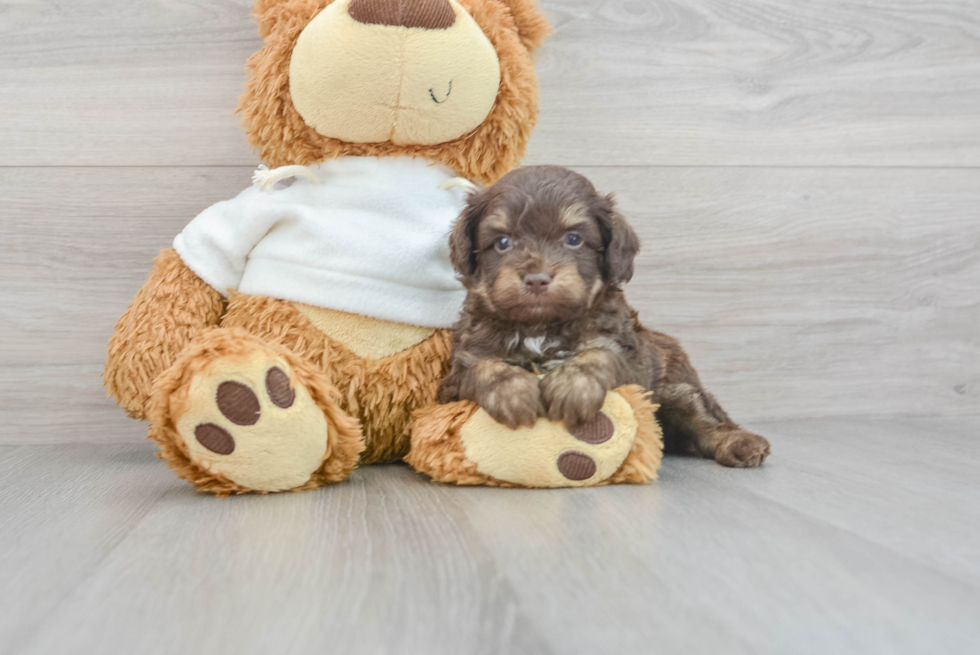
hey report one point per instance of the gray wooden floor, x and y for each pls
(806, 180)
(859, 536)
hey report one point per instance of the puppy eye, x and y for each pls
(503, 244)
(573, 239)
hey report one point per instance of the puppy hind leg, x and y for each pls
(694, 423)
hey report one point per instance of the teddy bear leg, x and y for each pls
(460, 443)
(235, 414)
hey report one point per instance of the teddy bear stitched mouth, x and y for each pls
(448, 91)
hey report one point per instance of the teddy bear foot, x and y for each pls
(235, 414)
(459, 443)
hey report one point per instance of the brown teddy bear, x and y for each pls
(299, 329)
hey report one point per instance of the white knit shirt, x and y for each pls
(372, 239)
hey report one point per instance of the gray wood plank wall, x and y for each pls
(805, 177)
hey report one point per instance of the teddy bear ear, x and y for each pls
(268, 13)
(532, 25)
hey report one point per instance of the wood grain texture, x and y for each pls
(705, 565)
(798, 292)
(787, 82)
(761, 82)
(381, 563)
(62, 511)
(920, 466)
(852, 538)
(101, 83)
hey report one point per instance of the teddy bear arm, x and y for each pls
(170, 309)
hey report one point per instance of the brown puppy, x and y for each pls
(543, 257)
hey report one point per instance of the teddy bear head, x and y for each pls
(449, 80)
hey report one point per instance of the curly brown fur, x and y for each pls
(543, 257)
(170, 309)
(510, 394)
(281, 136)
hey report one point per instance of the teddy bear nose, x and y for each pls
(537, 282)
(427, 14)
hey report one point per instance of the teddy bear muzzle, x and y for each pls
(406, 73)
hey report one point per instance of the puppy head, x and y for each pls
(541, 245)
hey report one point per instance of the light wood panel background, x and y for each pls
(805, 176)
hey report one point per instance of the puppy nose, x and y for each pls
(427, 14)
(537, 282)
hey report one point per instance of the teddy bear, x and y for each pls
(300, 329)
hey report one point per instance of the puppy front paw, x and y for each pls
(572, 396)
(514, 401)
(742, 449)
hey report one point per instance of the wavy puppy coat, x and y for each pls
(543, 258)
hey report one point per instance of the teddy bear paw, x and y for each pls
(235, 414)
(253, 426)
(548, 454)
(462, 444)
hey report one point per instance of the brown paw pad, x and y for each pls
(238, 403)
(598, 430)
(277, 386)
(576, 466)
(215, 438)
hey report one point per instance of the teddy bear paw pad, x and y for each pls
(576, 466)
(599, 430)
(248, 422)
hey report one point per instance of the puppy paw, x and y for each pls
(742, 449)
(515, 401)
(572, 396)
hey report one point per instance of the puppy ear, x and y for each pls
(620, 242)
(532, 26)
(462, 242)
